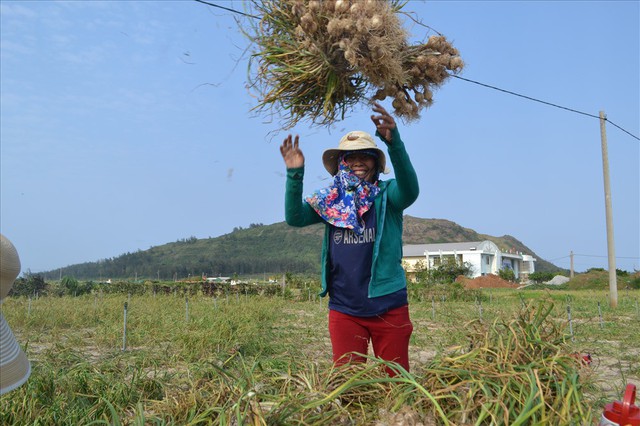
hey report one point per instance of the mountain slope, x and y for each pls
(263, 249)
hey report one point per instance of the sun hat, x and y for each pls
(356, 140)
(14, 365)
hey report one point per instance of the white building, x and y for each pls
(484, 257)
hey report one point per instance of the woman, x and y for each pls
(362, 250)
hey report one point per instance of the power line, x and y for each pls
(228, 9)
(617, 257)
(591, 255)
(523, 96)
(557, 258)
(544, 102)
(465, 79)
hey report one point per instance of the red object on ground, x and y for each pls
(585, 359)
(623, 413)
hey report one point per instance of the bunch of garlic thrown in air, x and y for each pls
(315, 60)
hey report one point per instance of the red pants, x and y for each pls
(389, 334)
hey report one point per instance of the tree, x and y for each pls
(445, 273)
(29, 285)
(70, 285)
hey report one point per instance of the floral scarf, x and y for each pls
(344, 202)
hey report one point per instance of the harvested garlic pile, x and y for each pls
(315, 60)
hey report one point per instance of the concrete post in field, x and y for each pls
(613, 286)
(124, 331)
(571, 273)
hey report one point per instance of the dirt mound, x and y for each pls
(486, 281)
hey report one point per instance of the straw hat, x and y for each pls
(353, 141)
(14, 364)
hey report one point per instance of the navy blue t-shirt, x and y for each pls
(351, 256)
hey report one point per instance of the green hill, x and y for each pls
(262, 249)
(428, 231)
(598, 279)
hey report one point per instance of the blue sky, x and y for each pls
(126, 125)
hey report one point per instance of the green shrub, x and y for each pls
(445, 273)
(507, 274)
(541, 277)
(635, 282)
(29, 285)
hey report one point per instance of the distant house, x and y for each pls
(218, 279)
(484, 257)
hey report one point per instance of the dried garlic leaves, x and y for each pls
(315, 60)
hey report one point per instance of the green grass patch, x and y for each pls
(491, 356)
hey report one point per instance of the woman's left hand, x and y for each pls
(384, 122)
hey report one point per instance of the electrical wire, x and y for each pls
(593, 255)
(523, 96)
(558, 258)
(227, 8)
(466, 79)
(617, 257)
(544, 102)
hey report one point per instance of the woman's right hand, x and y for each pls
(291, 153)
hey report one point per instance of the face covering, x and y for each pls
(344, 202)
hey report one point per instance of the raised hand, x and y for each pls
(291, 153)
(384, 122)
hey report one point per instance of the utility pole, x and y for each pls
(571, 273)
(611, 251)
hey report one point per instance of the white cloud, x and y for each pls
(86, 57)
(12, 10)
(10, 47)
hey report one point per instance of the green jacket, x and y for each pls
(387, 274)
